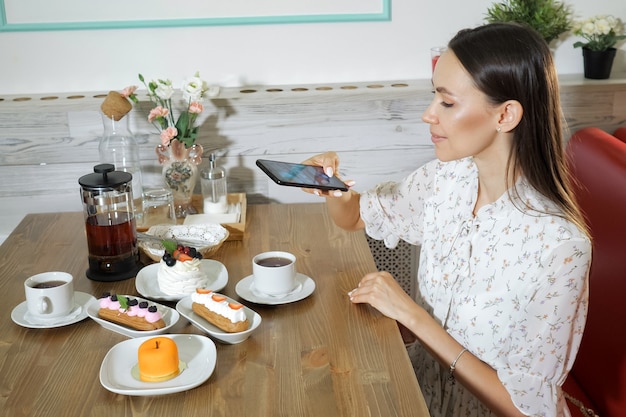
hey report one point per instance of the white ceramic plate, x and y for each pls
(197, 352)
(170, 317)
(185, 310)
(20, 314)
(147, 283)
(245, 289)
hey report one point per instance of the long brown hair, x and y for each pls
(508, 61)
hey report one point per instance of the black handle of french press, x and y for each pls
(104, 169)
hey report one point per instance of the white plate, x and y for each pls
(170, 317)
(20, 314)
(197, 352)
(147, 283)
(185, 310)
(245, 289)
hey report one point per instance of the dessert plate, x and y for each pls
(197, 352)
(147, 283)
(170, 317)
(22, 317)
(245, 289)
(185, 310)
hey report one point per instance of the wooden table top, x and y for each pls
(321, 356)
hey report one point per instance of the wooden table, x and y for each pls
(321, 356)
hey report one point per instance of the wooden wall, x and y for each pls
(48, 142)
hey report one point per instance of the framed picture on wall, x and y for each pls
(33, 15)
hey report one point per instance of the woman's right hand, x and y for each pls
(329, 161)
(343, 207)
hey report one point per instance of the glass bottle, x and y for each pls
(214, 188)
(119, 147)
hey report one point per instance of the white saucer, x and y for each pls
(197, 352)
(21, 316)
(147, 283)
(170, 317)
(185, 309)
(245, 289)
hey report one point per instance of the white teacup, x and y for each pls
(274, 272)
(49, 294)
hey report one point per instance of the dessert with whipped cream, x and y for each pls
(180, 271)
(219, 311)
(130, 312)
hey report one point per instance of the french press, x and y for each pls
(110, 224)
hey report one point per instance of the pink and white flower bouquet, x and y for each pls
(160, 92)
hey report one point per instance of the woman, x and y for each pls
(505, 255)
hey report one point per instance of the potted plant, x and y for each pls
(601, 33)
(550, 18)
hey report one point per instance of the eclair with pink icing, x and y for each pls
(130, 312)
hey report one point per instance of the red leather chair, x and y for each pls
(620, 133)
(598, 377)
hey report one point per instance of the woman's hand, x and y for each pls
(382, 291)
(329, 161)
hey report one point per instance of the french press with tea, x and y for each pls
(110, 224)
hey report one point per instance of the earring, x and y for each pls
(499, 129)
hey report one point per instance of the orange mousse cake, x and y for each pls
(158, 359)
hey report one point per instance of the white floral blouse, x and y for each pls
(510, 284)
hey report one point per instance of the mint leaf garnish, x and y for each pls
(169, 245)
(123, 302)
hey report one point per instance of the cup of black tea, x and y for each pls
(274, 273)
(49, 294)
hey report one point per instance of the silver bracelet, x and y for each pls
(453, 364)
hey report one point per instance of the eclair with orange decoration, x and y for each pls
(216, 309)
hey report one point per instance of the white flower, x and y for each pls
(600, 32)
(194, 88)
(164, 89)
(588, 28)
(603, 27)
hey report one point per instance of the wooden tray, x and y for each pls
(236, 230)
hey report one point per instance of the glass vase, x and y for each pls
(180, 174)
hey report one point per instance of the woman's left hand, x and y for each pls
(382, 291)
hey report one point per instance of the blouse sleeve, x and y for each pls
(545, 343)
(395, 210)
